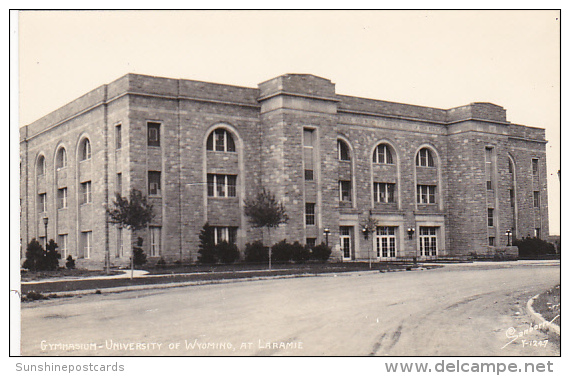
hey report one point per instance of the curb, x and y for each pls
(537, 317)
(158, 286)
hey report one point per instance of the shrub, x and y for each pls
(533, 247)
(32, 295)
(300, 253)
(282, 251)
(39, 259)
(227, 253)
(70, 262)
(51, 260)
(160, 263)
(139, 257)
(206, 249)
(321, 252)
(256, 252)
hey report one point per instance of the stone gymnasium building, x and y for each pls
(439, 183)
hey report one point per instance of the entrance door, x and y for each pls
(346, 243)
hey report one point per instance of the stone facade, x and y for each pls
(437, 183)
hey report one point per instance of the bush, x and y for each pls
(300, 253)
(321, 252)
(39, 259)
(51, 261)
(206, 249)
(160, 263)
(70, 262)
(534, 247)
(139, 257)
(226, 253)
(282, 251)
(256, 252)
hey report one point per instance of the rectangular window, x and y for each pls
(62, 244)
(231, 181)
(426, 194)
(119, 184)
(42, 203)
(537, 232)
(155, 237)
(344, 187)
(490, 217)
(227, 234)
(118, 137)
(309, 214)
(385, 241)
(87, 242)
(85, 192)
(345, 241)
(119, 250)
(311, 242)
(308, 152)
(154, 183)
(492, 241)
(62, 198)
(428, 241)
(489, 167)
(222, 185)
(153, 134)
(384, 192)
(536, 199)
(535, 167)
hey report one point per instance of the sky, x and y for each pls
(432, 58)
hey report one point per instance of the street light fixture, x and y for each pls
(509, 233)
(411, 233)
(326, 233)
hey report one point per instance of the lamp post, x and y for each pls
(46, 219)
(366, 233)
(411, 231)
(509, 233)
(326, 233)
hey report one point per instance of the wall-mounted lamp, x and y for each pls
(411, 232)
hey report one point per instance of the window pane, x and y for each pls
(232, 185)
(153, 134)
(154, 182)
(211, 179)
(219, 137)
(231, 147)
(210, 142)
(220, 186)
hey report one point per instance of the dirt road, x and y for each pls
(452, 311)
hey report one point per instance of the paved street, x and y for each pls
(463, 309)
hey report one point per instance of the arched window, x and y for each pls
(85, 150)
(424, 158)
(41, 166)
(61, 158)
(221, 140)
(382, 154)
(343, 151)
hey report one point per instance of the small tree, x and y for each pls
(133, 213)
(264, 211)
(52, 256)
(34, 255)
(39, 259)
